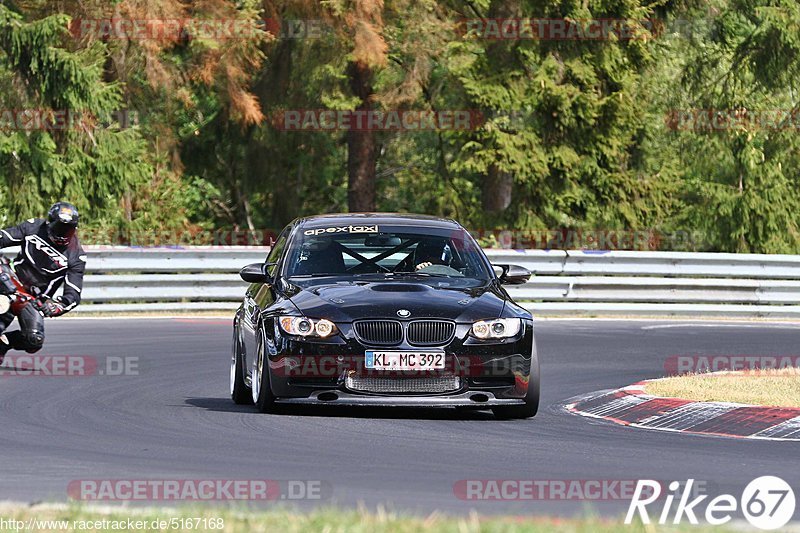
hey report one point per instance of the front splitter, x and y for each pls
(459, 400)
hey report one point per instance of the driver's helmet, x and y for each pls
(62, 223)
(319, 256)
(434, 251)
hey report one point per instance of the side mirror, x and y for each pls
(513, 274)
(256, 273)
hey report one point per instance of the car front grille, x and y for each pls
(430, 332)
(426, 384)
(417, 332)
(379, 331)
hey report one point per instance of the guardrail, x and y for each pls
(565, 282)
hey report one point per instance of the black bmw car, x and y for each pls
(383, 309)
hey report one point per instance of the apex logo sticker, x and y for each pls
(342, 229)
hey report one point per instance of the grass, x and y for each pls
(290, 521)
(778, 388)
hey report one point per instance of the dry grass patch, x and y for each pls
(779, 388)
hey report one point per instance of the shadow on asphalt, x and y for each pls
(226, 405)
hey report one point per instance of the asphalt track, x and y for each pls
(174, 420)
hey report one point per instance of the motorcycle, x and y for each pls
(13, 294)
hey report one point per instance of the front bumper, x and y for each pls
(476, 399)
(490, 374)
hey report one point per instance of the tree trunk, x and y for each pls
(362, 146)
(497, 189)
(273, 85)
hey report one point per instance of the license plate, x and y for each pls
(404, 360)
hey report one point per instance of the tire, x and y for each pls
(241, 393)
(262, 395)
(531, 406)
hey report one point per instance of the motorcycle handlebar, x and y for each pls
(10, 285)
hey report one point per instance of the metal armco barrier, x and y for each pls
(564, 283)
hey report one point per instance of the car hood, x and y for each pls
(346, 302)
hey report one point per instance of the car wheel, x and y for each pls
(531, 406)
(262, 392)
(240, 390)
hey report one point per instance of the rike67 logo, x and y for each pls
(767, 502)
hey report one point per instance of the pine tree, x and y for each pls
(86, 158)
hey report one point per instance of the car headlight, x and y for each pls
(501, 328)
(306, 327)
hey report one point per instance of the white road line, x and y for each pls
(715, 325)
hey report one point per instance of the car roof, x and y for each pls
(386, 219)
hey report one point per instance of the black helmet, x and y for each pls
(432, 250)
(62, 221)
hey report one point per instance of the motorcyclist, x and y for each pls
(50, 256)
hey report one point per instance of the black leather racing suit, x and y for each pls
(43, 268)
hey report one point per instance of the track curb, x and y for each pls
(631, 406)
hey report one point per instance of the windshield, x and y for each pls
(388, 254)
